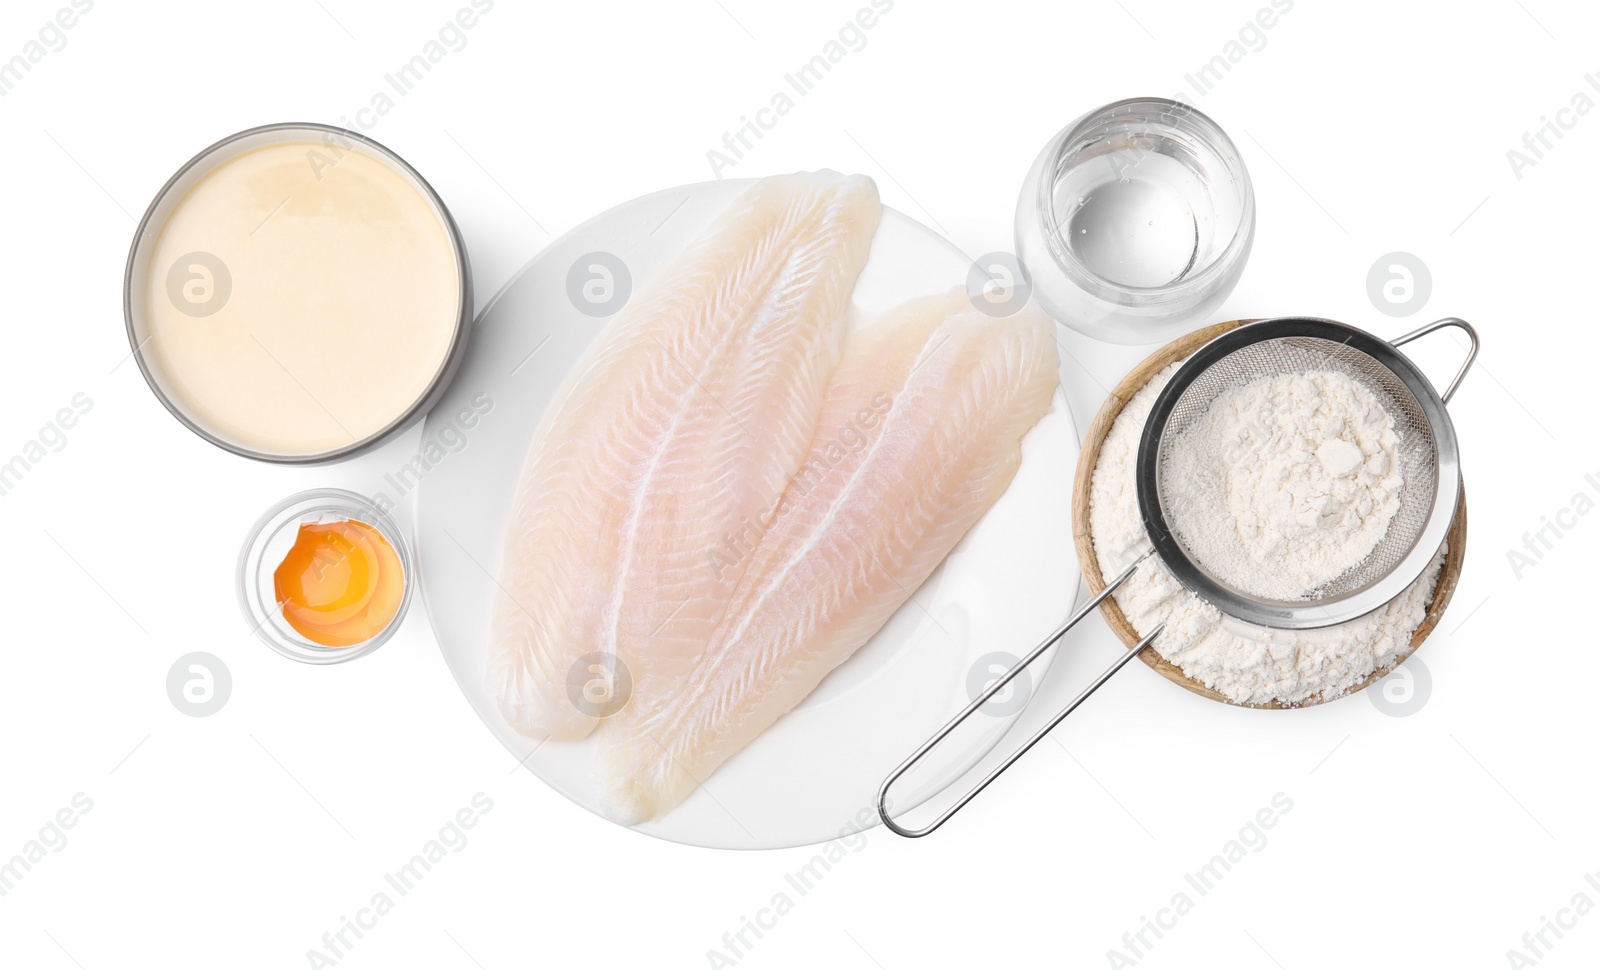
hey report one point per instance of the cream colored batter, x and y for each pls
(300, 298)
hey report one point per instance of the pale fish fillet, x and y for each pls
(692, 409)
(919, 434)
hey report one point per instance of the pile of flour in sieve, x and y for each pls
(1285, 483)
(1247, 664)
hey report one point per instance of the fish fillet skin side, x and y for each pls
(720, 356)
(920, 432)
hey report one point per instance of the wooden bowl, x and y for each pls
(1090, 456)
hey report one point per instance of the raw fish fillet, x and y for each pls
(919, 434)
(692, 410)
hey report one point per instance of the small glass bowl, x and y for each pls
(269, 542)
(1136, 221)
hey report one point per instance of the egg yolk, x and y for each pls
(340, 584)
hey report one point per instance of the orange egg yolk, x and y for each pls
(341, 583)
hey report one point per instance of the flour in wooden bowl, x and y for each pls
(1247, 664)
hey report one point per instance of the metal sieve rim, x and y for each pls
(1330, 610)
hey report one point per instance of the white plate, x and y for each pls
(814, 775)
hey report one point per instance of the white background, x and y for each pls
(240, 839)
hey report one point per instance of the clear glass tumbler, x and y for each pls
(1135, 221)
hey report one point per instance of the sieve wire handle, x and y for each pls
(994, 688)
(1472, 352)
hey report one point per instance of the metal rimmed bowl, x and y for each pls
(136, 286)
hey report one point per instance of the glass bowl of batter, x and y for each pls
(297, 293)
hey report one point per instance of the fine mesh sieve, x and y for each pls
(1429, 462)
(1430, 471)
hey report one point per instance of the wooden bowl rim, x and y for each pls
(1089, 457)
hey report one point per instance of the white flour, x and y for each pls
(1247, 664)
(1306, 468)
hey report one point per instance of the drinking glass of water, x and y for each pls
(1135, 221)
